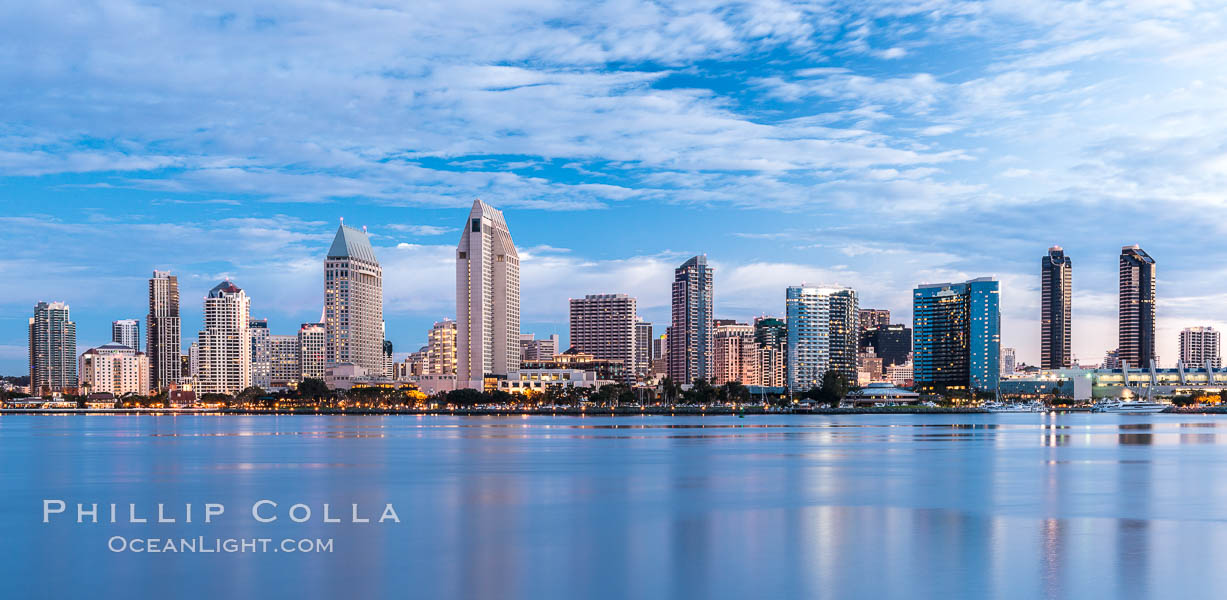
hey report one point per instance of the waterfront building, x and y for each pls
(735, 354)
(603, 325)
(387, 359)
(441, 348)
(53, 349)
(225, 342)
(163, 343)
(1056, 275)
(1136, 326)
(822, 334)
(1008, 361)
(1111, 360)
(284, 370)
(113, 368)
(261, 353)
(127, 332)
(487, 298)
(771, 336)
(312, 350)
(869, 367)
(956, 336)
(892, 343)
(414, 365)
(643, 347)
(1199, 346)
(353, 302)
(191, 370)
(532, 348)
(605, 369)
(690, 335)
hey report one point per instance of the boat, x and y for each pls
(1015, 407)
(1132, 407)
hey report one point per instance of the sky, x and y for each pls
(877, 145)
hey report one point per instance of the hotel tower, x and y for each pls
(353, 303)
(487, 298)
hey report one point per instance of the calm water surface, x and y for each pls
(872, 506)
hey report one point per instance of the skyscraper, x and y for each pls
(822, 334)
(284, 366)
(956, 336)
(1198, 346)
(771, 335)
(1136, 324)
(891, 343)
(261, 353)
(353, 302)
(53, 349)
(643, 346)
(441, 348)
(312, 350)
(1056, 273)
(163, 343)
(225, 343)
(487, 298)
(690, 335)
(603, 325)
(127, 332)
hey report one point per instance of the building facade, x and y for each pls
(441, 348)
(487, 299)
(603, 325)
(225, 341)
(1199, 346)
(892, 343)
(1136, 316)
(261, 353)
(284, 369)
(691, 333)
(312, 350)
(127, 332)
(822, 334)
(1056, 293)
(735, 356)
(53, 349)
(771, 336)
(163, 343)
(956, 336)
(532, 348)
(643, 347)
(114, 368)
(353, 302)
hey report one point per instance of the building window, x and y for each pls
(476, 225)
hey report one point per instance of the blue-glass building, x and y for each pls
(956, 336)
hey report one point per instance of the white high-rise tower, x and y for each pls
(487, 298)
(353, 302)
(225, 344)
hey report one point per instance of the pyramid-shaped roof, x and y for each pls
(352, 243)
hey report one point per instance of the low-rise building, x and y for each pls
(114, 368)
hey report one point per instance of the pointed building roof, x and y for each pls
(225, 286)
(352, 243)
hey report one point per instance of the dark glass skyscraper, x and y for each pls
(690, 336)
(1136, 328)
(1056, 273)
(891, 343)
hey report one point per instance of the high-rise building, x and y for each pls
(603, 325)
(261, 353)
(956, 336)
(735, 354)
(190, 368)
(487, 298)
(822, 334)
(891, 343)
(353, 302)
(1008, 361)
(1199, 346)
(869, 319)
(441, 348)
(1136, 324)
(53, 349)
(771, 335)
(127, 332)
(690, 335)
(532, 348)
(163, 344)
(643, 347)
(284, 368)
(225, 344)
(1056, 274)
(114, 368)
(312, 350)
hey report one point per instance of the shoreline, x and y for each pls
(505, 412)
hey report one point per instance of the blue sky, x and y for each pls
(877, 145)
